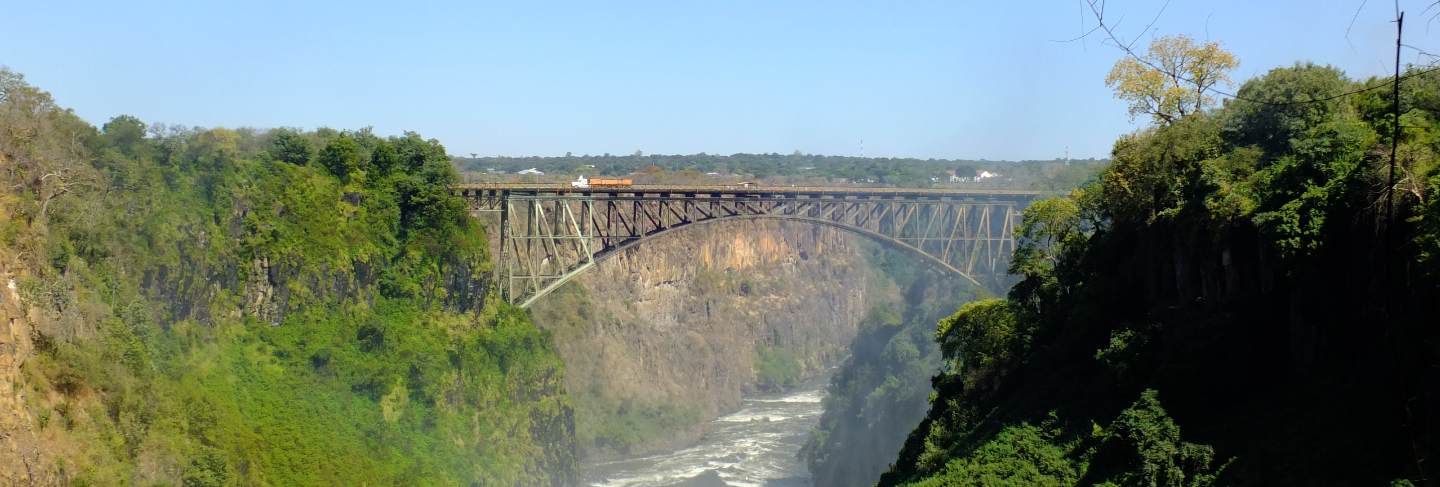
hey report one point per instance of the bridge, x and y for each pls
(549, 233)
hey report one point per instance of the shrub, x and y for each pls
(980, 340)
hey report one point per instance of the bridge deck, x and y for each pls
(757, 190)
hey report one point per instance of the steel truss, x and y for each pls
(548, 237)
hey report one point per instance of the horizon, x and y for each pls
(733, 154)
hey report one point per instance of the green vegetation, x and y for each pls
(776, 369)
(625, 425)
(235, 307)
(981, 341)
(1143, 442)
(1235, 264)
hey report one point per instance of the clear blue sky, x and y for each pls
(955, 79)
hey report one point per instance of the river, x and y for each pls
(753, 447)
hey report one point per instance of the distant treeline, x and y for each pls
(1047, 174)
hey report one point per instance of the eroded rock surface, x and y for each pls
(663, 338)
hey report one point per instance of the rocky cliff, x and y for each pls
(669, 335)
(20, 455)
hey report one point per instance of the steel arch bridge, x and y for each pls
(549, 233)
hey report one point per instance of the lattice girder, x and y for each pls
(549, 235)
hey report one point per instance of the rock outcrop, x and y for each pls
(20, 452)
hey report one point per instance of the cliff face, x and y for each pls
(20, 453)
(669, 335)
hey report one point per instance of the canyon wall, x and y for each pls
(668, 335)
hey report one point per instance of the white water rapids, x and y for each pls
(753, 447)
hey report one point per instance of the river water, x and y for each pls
(753, 447)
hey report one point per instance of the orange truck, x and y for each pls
(583, 182)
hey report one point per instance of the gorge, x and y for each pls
(680, 331)
(1245, 295)
(674, 332)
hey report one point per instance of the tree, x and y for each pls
(980, 339)
(215, 148)
(125, 133)
(1172, 79)
(414, 152)
(1284, 104)
(1046, 227)
(966, 170)
(1151, 170)
(383, 158)
(1049, 236)
(1161, 457)
(289, 146)
(42, 146)
(341, 156)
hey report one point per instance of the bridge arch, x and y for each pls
(550, 233)
(609, 253)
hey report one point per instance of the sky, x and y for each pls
(930, 79)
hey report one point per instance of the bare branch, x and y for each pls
(1149, 26)
(1080, 37)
